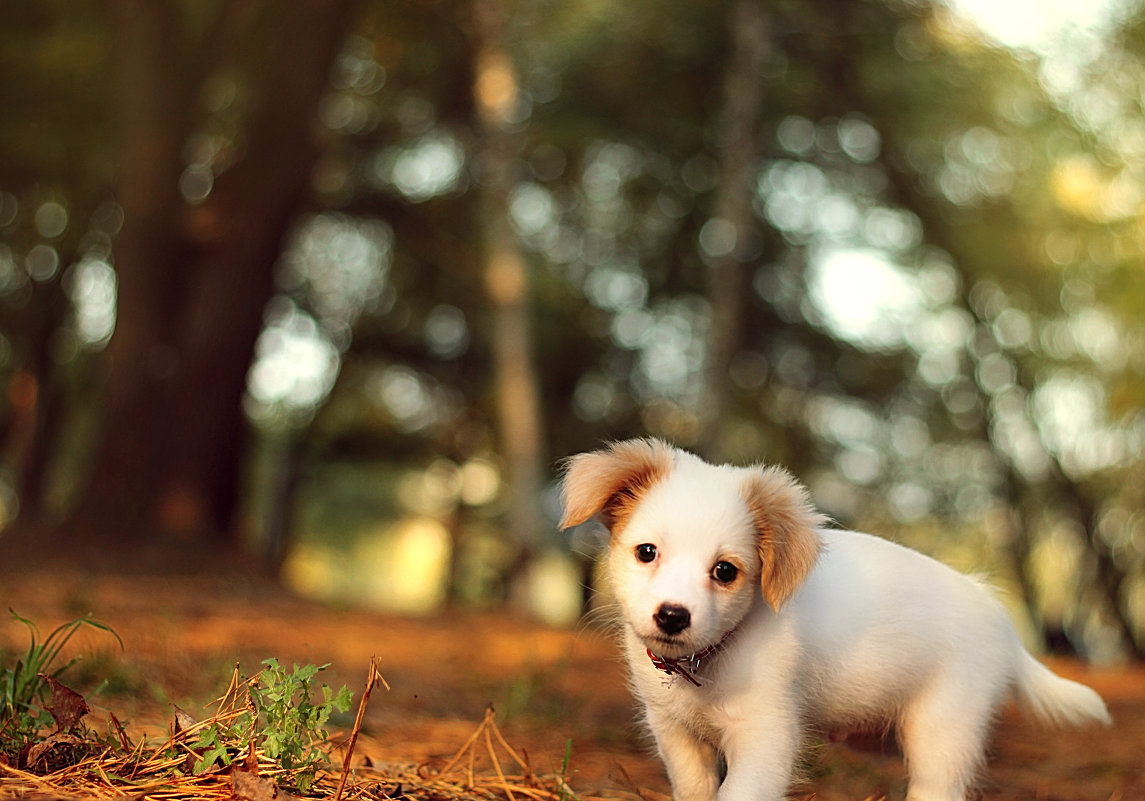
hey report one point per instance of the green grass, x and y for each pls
(24, 691)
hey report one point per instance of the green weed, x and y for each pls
(565, 792)
(279, 716)
(24, 691)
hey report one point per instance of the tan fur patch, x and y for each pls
(611, 481)
(785, 523)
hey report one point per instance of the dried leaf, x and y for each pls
(247, 786)
(183, 721)
(68, 707)
(41, 749)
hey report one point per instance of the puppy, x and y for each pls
(746, 622)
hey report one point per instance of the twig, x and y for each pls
(463, 750)
(493, 756)
(504, 744)
(373, 678)
(233, 687)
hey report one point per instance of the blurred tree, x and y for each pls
(508, 286)
(728, 240)
(988, 214)
(52, 212)
(215, 150)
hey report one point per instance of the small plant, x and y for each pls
(293, 726)
(278, 715)
(565, 792)
(24, 687)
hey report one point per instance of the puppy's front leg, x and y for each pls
(693, 765)
(760, 755)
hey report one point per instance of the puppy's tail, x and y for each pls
(1056, 701)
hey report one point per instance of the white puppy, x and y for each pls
(848, 631)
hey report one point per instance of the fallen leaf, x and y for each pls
(67, 706)
(247, 786)
(183, 721)
(41, 750)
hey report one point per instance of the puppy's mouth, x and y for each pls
(669, 645)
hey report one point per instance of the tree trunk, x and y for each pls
(240, 230)
(141, 356)
(36, 398)
(507, 283)
(727, 240)
(194, 280)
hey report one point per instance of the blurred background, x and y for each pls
(338, 283)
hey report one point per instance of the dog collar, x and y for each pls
(685, 666)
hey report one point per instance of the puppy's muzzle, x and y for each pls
(672, 618)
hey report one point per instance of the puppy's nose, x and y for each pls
(672, 618)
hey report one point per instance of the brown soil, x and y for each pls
(549, 687)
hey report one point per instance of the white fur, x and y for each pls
(872, 633)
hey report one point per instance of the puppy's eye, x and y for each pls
(725, 572)
(646, 552)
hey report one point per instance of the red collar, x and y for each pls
(685, 666)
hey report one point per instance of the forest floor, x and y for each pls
(550, 688)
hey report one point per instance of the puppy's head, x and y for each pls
(693, 545)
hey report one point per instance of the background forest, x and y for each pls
(340, 282)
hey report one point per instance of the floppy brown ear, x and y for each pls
(612, 480)
(786, 524)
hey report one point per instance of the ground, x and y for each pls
(549, 687)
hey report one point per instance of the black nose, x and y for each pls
(672, 618)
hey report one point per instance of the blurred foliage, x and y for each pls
(942, 323)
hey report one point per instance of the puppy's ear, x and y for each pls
(611, 481)
(785, 523)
